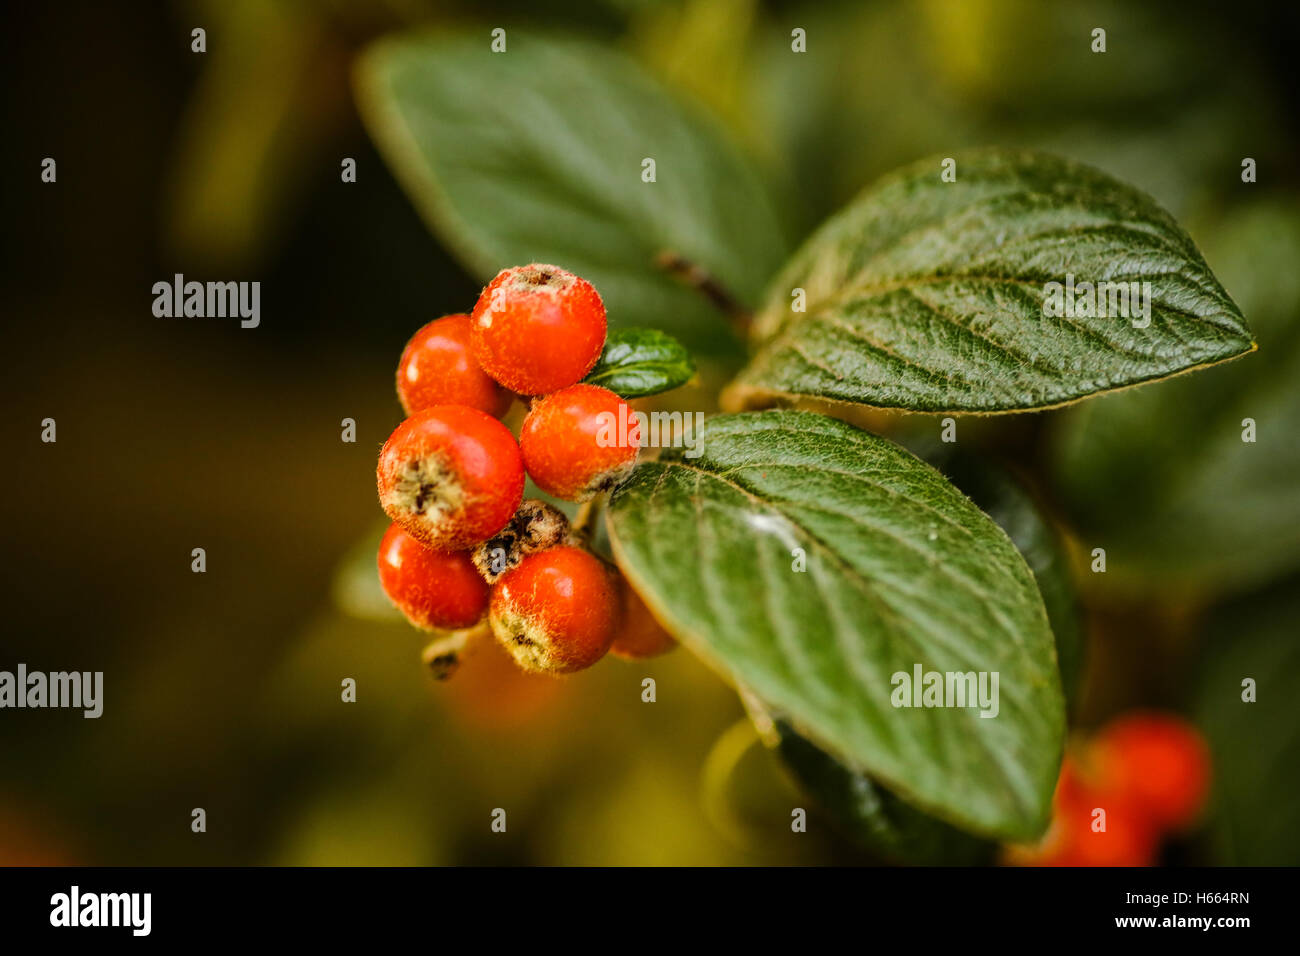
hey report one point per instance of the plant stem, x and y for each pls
(704, 282)
(588, 513)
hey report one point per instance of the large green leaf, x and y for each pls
(1007, 502)
(535, 154)
(930, 295)
(1161, 477)
(901, 570)
(869, 813)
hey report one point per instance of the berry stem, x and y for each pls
(444, 653)
(588, 514)
(707, 284)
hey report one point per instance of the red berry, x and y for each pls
(639, 635)
(538, 328)
(579, 441)
(451, 476)
(556, 612)
(1159, 762)
(434, 589)
(438, 368)
(1129, 839)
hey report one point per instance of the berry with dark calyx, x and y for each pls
(639, 635)
(438, 368)
(451, 476)
(538, 328)
(535, 527)
(556, 612)
(579, 442)
(435, 590)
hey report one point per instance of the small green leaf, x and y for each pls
(932, 295)
(899, 569)
(638, 362)
(540, 154)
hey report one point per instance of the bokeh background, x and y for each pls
(222, 689)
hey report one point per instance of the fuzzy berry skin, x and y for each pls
(436, 590)
(451, 476)
(579, 442)
(538, 328)
(556, 612)
(1157, 761)
(639, 635)
(438, 368)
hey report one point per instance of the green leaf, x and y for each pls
(536, 154)
(872, 816)
(869, 813)
(1016, 512)
(639, 362)
(1161, 477)
(930, 295)
(1255, 816)
(901, 569)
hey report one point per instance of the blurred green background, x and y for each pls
(222, 689)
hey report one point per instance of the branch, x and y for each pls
(704, 282)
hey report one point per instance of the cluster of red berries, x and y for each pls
(1149, 772)
(464, 542)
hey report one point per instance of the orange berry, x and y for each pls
(556, 612)
(451, 476)
(639, 635)
(1159, 762)
(438, 368)
(433, 589)
(1129, 837)
(579, 442)
(537, 328)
